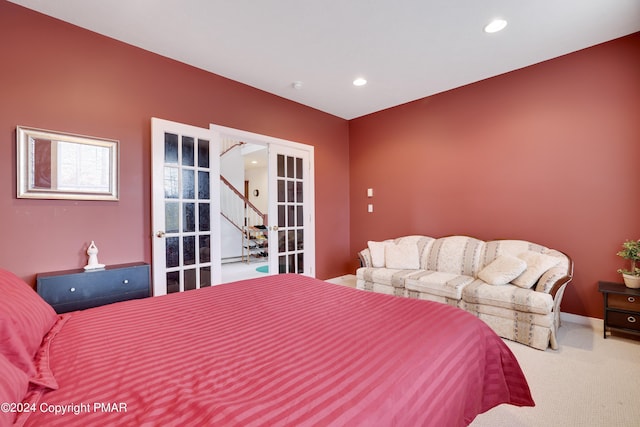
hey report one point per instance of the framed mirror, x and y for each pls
(56, 165)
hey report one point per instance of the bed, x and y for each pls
(280, 350)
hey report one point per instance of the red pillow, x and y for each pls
(25, 318)
(13, 388)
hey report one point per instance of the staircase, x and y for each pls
(241, 213)
(237, 209)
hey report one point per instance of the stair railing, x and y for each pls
(237, 209)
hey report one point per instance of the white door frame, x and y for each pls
(250, 137)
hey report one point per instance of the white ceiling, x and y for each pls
(406, 49)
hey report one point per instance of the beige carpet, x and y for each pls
(589, 381)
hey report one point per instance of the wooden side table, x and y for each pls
(621, 307)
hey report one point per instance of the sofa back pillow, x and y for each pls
(502, 270)
(537, 265)
(455, 254)
(377, 249)
(377, 252)
(564, 263)
(404, 256)
(494, 248)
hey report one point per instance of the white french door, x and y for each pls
(290, 219)
(185, 207)
(290, 211)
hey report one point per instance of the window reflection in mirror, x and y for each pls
(65, 166)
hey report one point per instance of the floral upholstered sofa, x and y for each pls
(514, 286)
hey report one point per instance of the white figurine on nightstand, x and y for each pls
(92, 251)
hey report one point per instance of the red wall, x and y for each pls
(548, 153)
(60, 77)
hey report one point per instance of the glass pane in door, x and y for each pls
(187, 209)
(290, 178)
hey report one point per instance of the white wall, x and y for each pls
(258, 180)
(232, 168)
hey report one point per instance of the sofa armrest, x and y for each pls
(559, 284)
(365, 258)
(557, 277)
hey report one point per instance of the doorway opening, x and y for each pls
(288, 191)
(271, 183)
(244, 203)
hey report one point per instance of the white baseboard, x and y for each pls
(581, 320)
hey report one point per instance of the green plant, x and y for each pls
(631, 251)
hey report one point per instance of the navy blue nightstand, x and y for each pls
(78, 289)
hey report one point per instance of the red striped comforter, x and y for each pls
(282, 350)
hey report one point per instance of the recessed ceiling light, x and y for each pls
(360, 81)
(495, 26)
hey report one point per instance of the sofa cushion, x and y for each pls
(403, 256)
(380, 289)
(439, 283)
(454, 254)
(431, 297)
(502, 270)
(507, 296)
(386, 276)
(534, 330)
(544, 320)
(537, 265)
